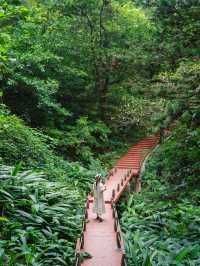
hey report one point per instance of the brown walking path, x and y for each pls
(104, 240)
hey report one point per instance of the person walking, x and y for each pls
(99, 204)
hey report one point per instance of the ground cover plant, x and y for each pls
(40, 219)
(159, 231)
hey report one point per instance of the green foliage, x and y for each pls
(136, 113)
(40, 219)
(49, 82)
(10, 14)
(161, 234)
(161, 225)
(178, 29)
(180, 89)
(21, 143)
(81, 141)
(181, 84)
(27, 81)
(34, 149)
(179, 157)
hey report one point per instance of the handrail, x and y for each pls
(80, 241)
(119, 236)
(124, 181)
(77, 253)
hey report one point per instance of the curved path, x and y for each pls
(104, 240)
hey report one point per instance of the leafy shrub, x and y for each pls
(180, 89)
(21, 143)
(81, 141)
(179, 157)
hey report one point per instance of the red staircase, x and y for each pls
(103, 241)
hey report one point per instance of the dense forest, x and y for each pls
(80, 81)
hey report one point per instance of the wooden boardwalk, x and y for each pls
(104, 240)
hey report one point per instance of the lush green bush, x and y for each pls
(178, 160)
(21, 143)
(82, 141)
(33, 148)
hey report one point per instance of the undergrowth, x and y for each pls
(40, 219)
